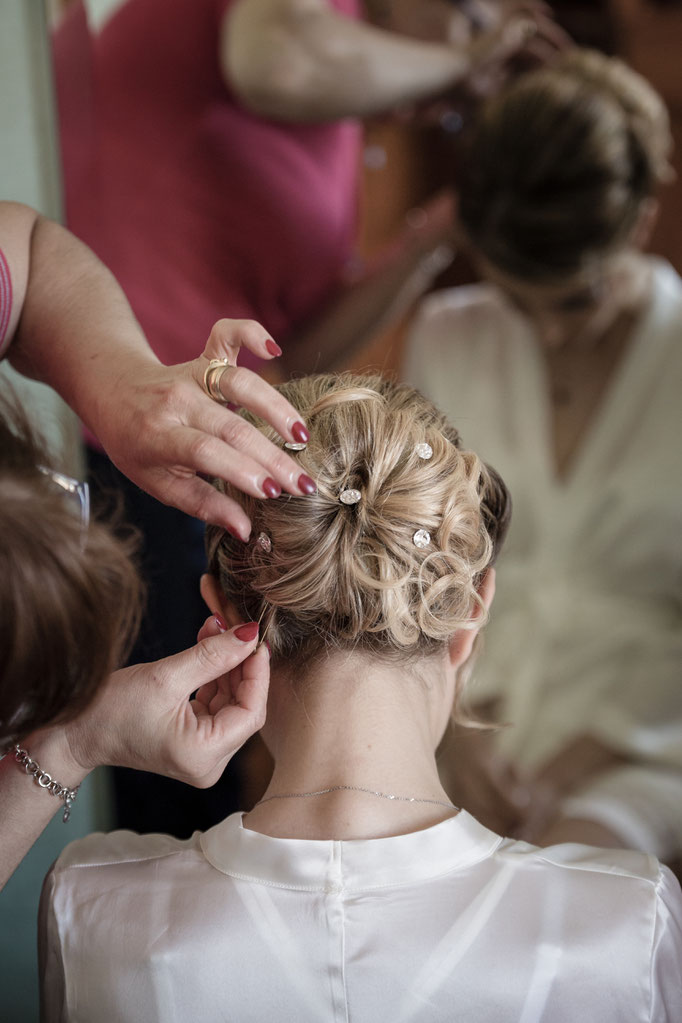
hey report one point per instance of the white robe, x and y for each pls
(585, 634)
(449, 923)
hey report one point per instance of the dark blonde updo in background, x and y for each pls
(350, 576)
(558, 165)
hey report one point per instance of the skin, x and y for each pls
(71, 327)
(301, 60)
(143, 718)
(354, 720)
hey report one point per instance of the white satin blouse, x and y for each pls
(449, 924)
(585, 635)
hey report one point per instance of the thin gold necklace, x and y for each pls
(355, 788)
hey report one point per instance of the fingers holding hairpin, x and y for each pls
(231, 449)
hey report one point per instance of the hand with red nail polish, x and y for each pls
(189, 438)
(143, 716)
(237, 452)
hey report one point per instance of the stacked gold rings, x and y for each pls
(212, 377)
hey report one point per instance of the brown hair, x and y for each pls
(559, 162)
(69, 603)
(350, 576)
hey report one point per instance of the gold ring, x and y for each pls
(212, 377)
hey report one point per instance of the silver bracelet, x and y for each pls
(45, 780)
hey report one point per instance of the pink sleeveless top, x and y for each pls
(200, 208)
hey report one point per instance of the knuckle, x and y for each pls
(223, 326)
(242, 381)
(210, 658)
(166, 395)
(203, 781)
(195, 777)
(251, 327)
(284, 466)
(203, 508)
(236, 433)
(199, 449)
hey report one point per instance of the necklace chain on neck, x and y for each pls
(356, 788)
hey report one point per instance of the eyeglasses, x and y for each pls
(76, 491)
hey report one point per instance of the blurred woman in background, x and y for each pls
(565, 368)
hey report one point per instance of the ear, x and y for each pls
(216, 601)
(460, 645)
(645, 222)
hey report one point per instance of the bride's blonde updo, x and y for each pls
(350, 576)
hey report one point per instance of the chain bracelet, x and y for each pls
(45, 780)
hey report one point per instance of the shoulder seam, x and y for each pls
(117, 862)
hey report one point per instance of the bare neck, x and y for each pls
(362, 725)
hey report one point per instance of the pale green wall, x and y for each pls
(29, 173)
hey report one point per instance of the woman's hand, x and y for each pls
(519, 33)
(72, 327)
(499, 38)
(158, 425)
(144, 717)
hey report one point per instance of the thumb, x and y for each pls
(248, 716)
(212, 657)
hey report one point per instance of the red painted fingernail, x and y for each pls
(272, 347)
(220, 622)
(234, 533)
(247, 632)
(268, 648)
(300, 433)
(270, 488)
(307, 485)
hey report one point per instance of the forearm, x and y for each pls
(362, 309)
(25, 808)
(300, 60)
(76, 331)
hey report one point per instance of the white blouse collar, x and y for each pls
(352, 865)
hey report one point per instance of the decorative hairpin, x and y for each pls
(422, 538)
(295, 445)
(424, 451)
(264, 541)
(350, 496)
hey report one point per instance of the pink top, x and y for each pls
(5, 302)
(200, 208)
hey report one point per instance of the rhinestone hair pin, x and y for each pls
(264, 541)
(295, 445)
(424, 451)
(422, 538)
(350, 496)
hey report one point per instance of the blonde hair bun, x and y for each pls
(351, 575)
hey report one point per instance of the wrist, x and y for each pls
(51, 749)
